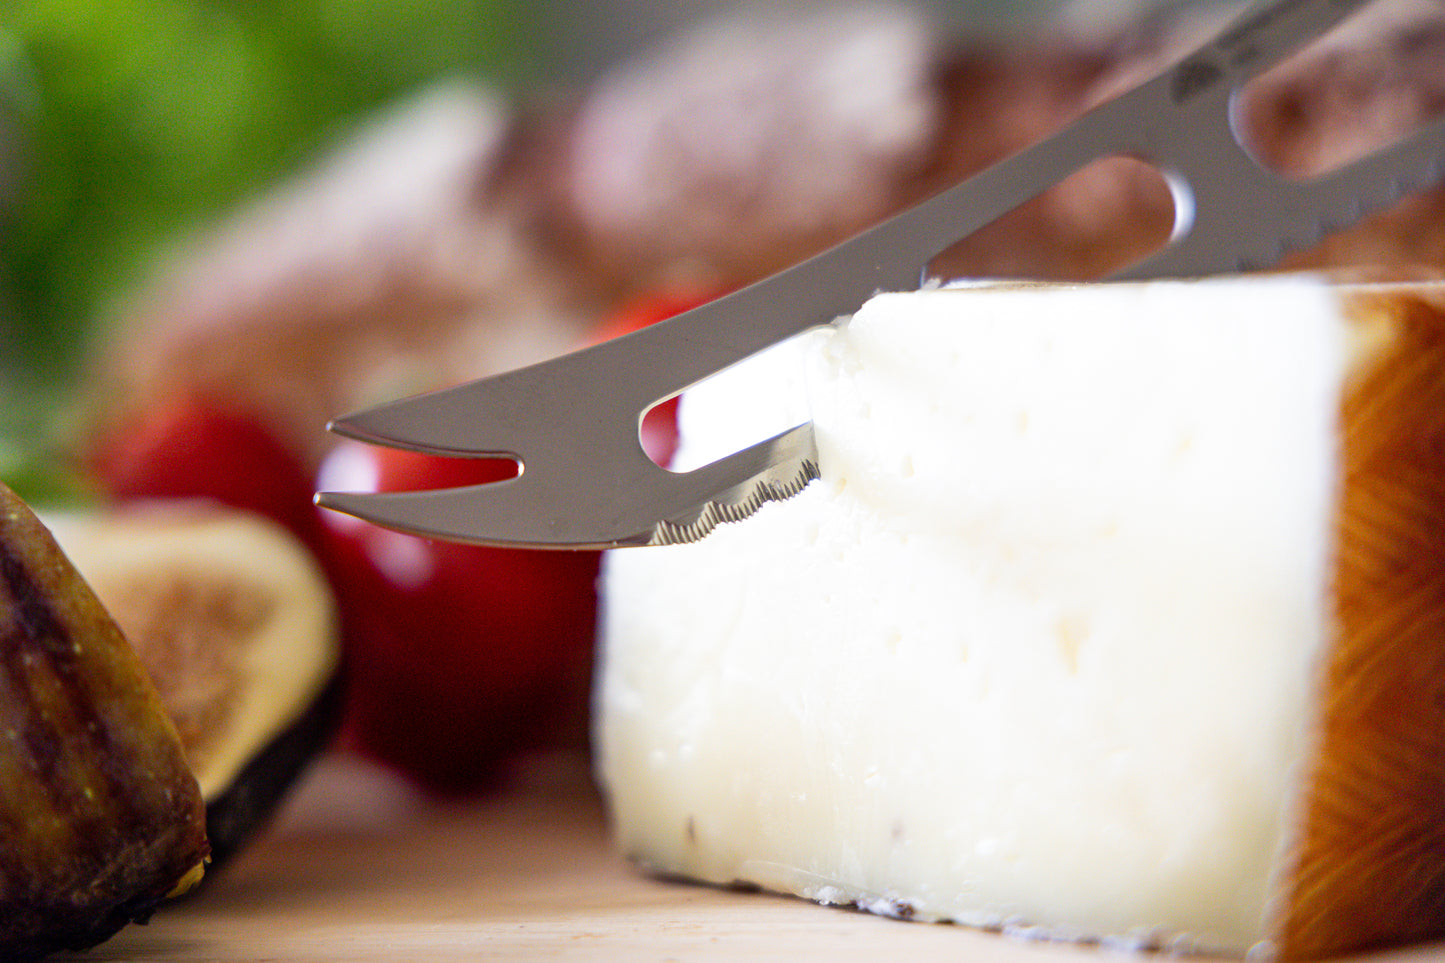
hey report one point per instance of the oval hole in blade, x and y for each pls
(657, 426)
(1358, 91)
(1098, 220)
(1364, 86)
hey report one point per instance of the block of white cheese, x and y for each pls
(1118, 613)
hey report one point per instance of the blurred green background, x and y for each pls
(125, 124)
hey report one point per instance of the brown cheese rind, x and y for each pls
(100, 818)
(1370, 869)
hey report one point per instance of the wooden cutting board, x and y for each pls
(359, 869)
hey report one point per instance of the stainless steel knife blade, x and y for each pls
(573, 423)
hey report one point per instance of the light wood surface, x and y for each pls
(358, 869)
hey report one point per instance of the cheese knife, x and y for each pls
(572, 424)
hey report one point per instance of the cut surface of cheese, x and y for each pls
(1114, 616)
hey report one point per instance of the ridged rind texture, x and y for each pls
(100, 818)
(1370, 868)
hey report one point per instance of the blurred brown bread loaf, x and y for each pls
(468, 233)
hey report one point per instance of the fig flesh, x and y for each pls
(237, 626)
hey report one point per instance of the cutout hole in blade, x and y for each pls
(1103, 217)
(657, 432)
(1363, 87)
(657, 426)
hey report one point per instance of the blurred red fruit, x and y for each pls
(197, 447)
(473, 653)
(457, 657)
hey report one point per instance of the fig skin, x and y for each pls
(100, 816)
(236, 814)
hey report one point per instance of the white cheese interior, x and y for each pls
(1040, 646)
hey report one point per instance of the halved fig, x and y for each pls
(237, 626)
(100, 816)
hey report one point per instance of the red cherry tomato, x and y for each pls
(457, 657)
(473, 653)
(197, 447)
